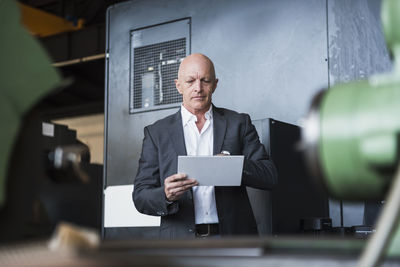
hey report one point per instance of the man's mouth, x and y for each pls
(198, 97)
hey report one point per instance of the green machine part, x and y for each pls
(26, 75)
(359, 139)
(352, 131)
(352, 142)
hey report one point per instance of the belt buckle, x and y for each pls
(208, 231)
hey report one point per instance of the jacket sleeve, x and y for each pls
(148, 194)
(258, 170)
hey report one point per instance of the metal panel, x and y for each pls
(154, 70)
(156, 54)
(260, 200)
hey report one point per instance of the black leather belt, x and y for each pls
(204, 230)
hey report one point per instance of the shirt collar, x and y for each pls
(188, 116)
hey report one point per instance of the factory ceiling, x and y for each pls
(91, 11)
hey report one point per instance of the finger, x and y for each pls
(174, 191)
(175, 194)
(174, 198)
(191, 182)
(171, 180)
(177, 191)
(176, 177)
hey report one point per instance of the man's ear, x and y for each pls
(177, 85)
(215, 85)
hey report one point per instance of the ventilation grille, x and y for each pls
(155, 68)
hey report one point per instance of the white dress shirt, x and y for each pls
(200, 144)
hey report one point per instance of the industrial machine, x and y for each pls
(351, 137)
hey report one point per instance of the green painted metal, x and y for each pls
(359, 143)
(360, 129)
(26, 75)
(394, 248)
(391, 22)
(359, 135)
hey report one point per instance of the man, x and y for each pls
(199, 128)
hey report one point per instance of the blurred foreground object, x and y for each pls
(352, 140)
(63, 249)
(49, 179)
(26, 76)
(64, 157)
(37, 191)
(69, 237)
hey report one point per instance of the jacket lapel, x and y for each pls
(219, 129)
(176, 134)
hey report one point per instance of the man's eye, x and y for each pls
(190, 81)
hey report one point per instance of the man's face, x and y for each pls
(196, 83)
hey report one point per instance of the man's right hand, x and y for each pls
(177, 184)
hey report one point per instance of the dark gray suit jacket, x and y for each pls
(164, 141)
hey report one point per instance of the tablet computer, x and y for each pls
(213, 170)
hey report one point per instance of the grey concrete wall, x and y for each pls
(357, 46)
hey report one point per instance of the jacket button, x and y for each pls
(190, 230)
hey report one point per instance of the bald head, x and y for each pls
(196, 60)
(196, 83)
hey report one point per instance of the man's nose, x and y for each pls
(197, 86)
